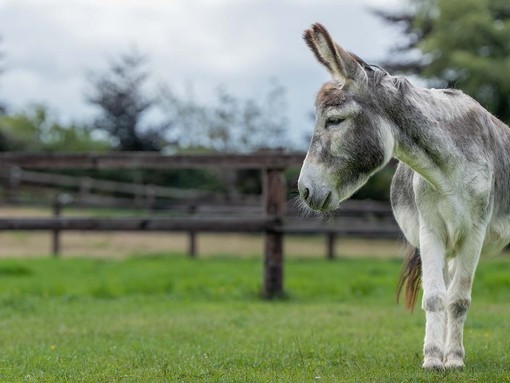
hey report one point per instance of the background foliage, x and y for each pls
(462, 44)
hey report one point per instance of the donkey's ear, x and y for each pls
(340, 63)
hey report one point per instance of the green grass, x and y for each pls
(173, 319)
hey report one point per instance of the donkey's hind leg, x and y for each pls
(459, 298)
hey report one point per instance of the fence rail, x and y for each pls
(270, 219)
(143, 160)
(184, 224)
(87, 184)
(206, 224)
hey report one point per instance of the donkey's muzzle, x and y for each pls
(317, 198)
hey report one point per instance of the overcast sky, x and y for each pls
(50, 45)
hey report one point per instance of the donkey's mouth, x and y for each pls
(326, 202)
(322, 204)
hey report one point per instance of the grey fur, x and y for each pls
(433, 304)
(459, 308)
(450, 193)
(434, 351)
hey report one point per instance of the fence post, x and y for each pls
(55, 243)
(60, 201)
(15, 174)
(274, 205)
(192, 236)
(330, 246)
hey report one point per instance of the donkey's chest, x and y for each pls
(450, 218)
(446, 216)
(453, 216)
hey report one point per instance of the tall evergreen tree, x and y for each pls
(120, 94)
(457, 43)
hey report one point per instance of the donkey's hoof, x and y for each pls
(433, 364)
(454, 364)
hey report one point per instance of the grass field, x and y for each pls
(173, 319)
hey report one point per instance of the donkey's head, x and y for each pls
(351, 140)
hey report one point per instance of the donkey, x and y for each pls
(451, 191)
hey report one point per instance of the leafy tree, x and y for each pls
(458, 43)
(37, 130)
(3, 108)
(230, 124)
(223, 122)
(120, 94)
(265, 123)
(187, 117)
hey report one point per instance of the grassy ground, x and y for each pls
(173, 319)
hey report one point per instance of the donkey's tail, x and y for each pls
(410, 278)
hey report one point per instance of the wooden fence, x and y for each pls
(272, 222)
(86, 185)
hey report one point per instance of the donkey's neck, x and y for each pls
(423, 122)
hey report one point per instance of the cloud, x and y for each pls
(51, 44)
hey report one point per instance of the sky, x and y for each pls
(243, 45)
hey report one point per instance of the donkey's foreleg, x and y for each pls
(459, 299)
(434, 298)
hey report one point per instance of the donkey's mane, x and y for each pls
(376, 74)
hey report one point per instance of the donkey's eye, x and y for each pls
(334, 121)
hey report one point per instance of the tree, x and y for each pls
(3, 108)
(120, 94)
(229, 124)
(264, 122)
(36, 129)
(458, 43)
(187, 117)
